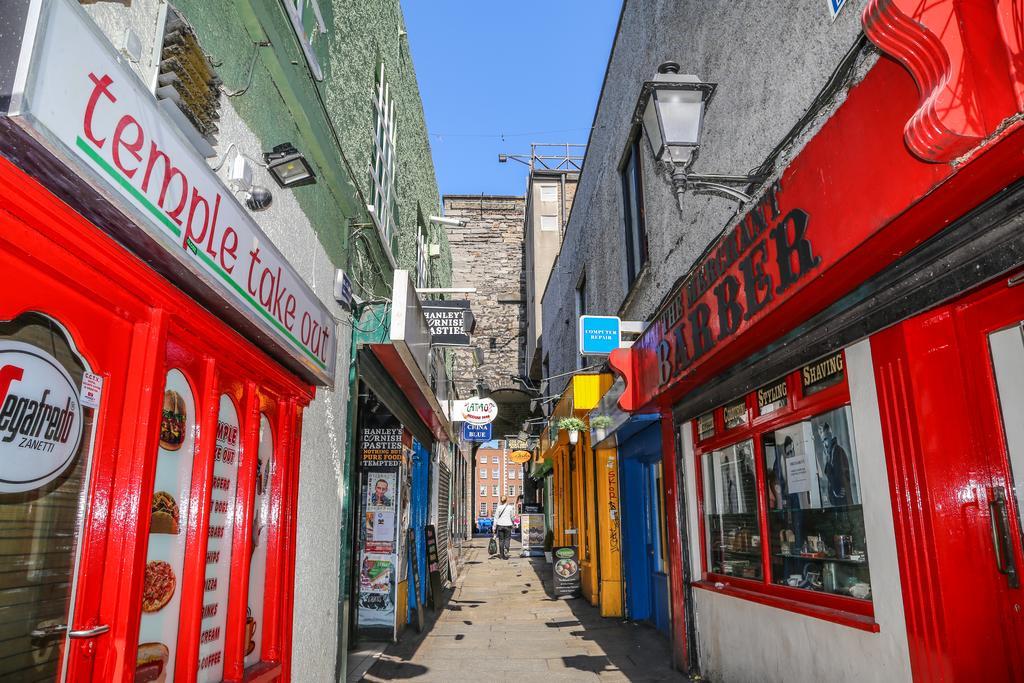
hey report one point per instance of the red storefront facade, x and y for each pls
(156, 356)
(886, 257)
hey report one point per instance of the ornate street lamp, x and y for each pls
(671, 110)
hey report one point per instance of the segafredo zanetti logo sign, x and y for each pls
(40, 418)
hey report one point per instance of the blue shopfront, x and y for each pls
(644, 541)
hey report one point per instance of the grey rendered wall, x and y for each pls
(769, 60)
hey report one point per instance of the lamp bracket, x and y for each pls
(714, 182)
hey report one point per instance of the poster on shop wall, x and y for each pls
(165, 554)
(383, 503)
(258, 559)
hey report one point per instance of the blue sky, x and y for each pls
(496, 75)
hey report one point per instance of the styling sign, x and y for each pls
(86, 106)
(40, 418)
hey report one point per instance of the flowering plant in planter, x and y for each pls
(600, 425)
(574, 426)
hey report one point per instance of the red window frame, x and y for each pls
(839, 609)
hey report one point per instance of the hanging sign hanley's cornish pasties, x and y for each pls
(40, 418)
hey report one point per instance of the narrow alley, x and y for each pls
(501, 623)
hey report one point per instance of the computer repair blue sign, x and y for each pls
(599, 334)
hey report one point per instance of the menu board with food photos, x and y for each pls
(161, 594)
(218, 547)
(258, 559)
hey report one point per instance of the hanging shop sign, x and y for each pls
(448, 322)
(476, 433)
(40, 418)
(599, 335)
(479, 411)
(566, 571)
(520, 457)
(74, 95)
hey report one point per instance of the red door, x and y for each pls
(990, 331)
(60, 482)
(951, 396)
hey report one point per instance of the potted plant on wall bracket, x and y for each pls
(600, 425)
(574, 426)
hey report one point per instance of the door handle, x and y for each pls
(1000, 523)
(89, 632)
(48, 631)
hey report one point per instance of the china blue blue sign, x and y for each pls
(476, 432)
(599, 334)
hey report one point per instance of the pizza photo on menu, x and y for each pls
(172, 421)
(164, 518)
(157, 586)
(151, 663)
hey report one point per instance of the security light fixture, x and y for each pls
(288, 167)
(671, 110)
(258, 198)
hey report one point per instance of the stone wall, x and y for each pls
(488, 254)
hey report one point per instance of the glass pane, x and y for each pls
(218, 548)
(1007, 348)
(44, 469)
(161, 593)
(815, 518)
(730, 511)
(265, 469)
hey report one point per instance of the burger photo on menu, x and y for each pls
(164, 519)
(151, 663)
(172, 421)
(157, 586)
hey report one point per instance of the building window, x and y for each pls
(495, 474)
(792, 470)
(382, 169)
(483, 489)
(188, 82)
(511, 490)
(483, 459)
(581, 309)
(511, 474)
(548, 223)
(549, 193)
(483, 473)
(483, 509)
(422, 259)
(494, 490)
(520, 489)
(633, 212)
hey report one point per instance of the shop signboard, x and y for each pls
(433, 565)
(479, 411)
(599, 334)
(72, 93)
(476, 433)
(520, 457)
(566, 571)
(40, 418)
(533, 531)
(449, 322)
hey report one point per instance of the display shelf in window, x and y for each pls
(731, 519)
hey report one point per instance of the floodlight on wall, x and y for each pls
(671, 111)
(288, 167)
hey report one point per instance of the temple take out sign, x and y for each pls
(71, 92)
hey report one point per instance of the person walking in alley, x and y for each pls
(503, 526)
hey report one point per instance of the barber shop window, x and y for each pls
(781, 492)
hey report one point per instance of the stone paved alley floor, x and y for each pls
(502, 625)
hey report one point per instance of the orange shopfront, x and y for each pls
(150, 413)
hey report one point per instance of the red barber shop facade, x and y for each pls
(845, 376)
(156, 355)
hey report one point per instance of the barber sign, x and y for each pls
(40, 418)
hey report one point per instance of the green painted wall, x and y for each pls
(331, 121)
